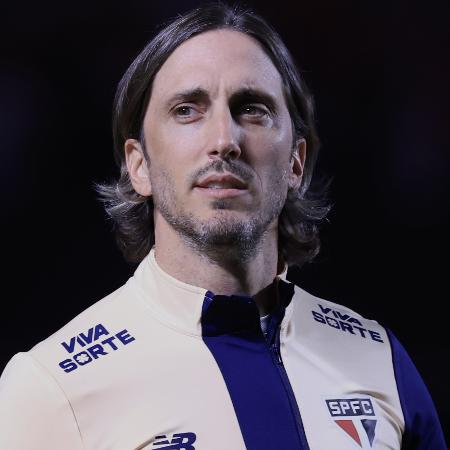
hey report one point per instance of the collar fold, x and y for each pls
(197, 311)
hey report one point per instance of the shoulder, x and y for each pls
(88, 323)
(363, 348)
(84, 338)
(334, 318)
(75, 343)
(325, 306)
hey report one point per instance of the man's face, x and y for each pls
(219, 140)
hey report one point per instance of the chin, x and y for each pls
(224, 216)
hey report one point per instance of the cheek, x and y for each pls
(169, 147)
(272, 166)
(270, 154)
(175, 148)
(165, 179)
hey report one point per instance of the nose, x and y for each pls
(223, 136)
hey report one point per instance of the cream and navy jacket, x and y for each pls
(159, 364)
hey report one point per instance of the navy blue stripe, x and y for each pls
(232, 332)
(422, 428)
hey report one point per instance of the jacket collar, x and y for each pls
(197, 311)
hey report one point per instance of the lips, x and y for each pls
(221, 181)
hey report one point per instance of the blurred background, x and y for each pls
(380, 74)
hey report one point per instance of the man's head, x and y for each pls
(212, 124)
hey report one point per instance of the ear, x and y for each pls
(137, 167)
(297, 164)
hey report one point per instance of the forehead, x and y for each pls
(218, 60)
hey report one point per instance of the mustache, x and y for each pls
(236, 168)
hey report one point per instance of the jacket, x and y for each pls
(160, 364)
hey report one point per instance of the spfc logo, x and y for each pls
(356, 417)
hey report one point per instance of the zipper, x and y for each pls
(276, 356)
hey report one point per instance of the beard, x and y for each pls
(222, 238)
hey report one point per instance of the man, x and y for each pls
(206, 346)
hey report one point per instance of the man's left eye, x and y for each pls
(253, 111)
(183, 110)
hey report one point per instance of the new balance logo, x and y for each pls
(179, 441)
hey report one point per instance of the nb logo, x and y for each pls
(179, 441)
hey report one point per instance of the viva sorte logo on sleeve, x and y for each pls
(344, 322)
(95, 343)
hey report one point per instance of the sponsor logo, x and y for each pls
(345, 323)
(103, 344)
(356, 417)
(179, 441)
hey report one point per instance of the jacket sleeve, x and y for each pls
(422, 428)
(34, 412)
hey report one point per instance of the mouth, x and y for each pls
(221, 186)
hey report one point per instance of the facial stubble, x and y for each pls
(223, 238)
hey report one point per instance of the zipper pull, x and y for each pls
(276, 352)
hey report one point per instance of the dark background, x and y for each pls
(380, 73)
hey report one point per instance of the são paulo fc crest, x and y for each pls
(356, 418)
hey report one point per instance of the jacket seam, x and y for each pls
(401, 399)
(43, 369)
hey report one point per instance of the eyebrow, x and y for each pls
(244, 94)
(195, 94)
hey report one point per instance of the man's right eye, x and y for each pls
(186, 113)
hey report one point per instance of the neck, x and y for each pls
(221, 272)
